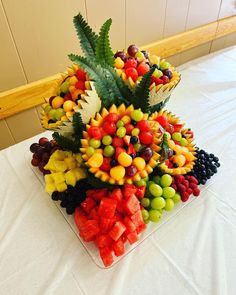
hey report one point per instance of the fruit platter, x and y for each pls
(119, 164)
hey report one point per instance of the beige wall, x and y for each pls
(36, 37)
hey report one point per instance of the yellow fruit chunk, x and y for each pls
(189, 156)
(126, 119)
(60, 166)
(58, 177)
(139, 163)
(124, 159)
(119, 64)
(70, 162)
(73, 80)
(61, 187)
(68, 105)
(50, 188)
(117, 172)
(171, 144)
(57, 102)
(96, 160)
(48, 178)
(58, 155)
(70, 178)
(79, 158)
(179, 159)
(50, 165)
(79, 173)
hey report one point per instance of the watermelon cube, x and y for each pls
(103, 240)
(106, 256)
(117, 230)
(94, 214)
(97, 194)
(80, 218)
(140, 192)
(106, 224)
(137, 218)
(116, 194)
(128, 190)
(118, 247)
(107, 208)
(132, 237)
(88, 204)
(130, 227)
(131, 204)
(89, 230)
(141, 228)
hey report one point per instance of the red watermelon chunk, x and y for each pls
(132, 237)
(97, 194)
(116, 194)
(104, 240)
(118, 247)
(88, 204)
(107, 208)
(94, 214)
(141, 228)
(89, 230)
(106, 255)
(140, 191)
(128, 190)
(130, 227)
(137, 218)
(80, 218)
(106, 224)
(131, 204)
(117, 230)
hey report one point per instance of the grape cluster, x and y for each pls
(42, 152)
(186, 185)
(73, 196)
(205, 166)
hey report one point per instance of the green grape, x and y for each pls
(146, 221)
(158, 203)
(120, 123)
(107, 140)
(95, 143)
(138, 147)
(65, 87)
(157, 73)
(135, 132)
(47, 108)
(157, 179)
(149, 183)
(166, 180)
(52, 114)
(141, 182)
(90, 151)
(169, 205)
(59, 113)
(145, 214)
(164, 65)
(183, 141)
(121, 131)
(155, 189)
(146, 178)
(176, 198)
(109, 151)
(168, 135)
(168, 192)
(137, 115)
(154, 215)
(177, 136)
(145, 202)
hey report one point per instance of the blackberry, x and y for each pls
(133, 139)
(133, 122)
(55, 196)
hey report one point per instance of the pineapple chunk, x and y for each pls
(61, 187)
(70, 178)
(58, 155)
(50, 188)
(67, 154)
(60, 166)
(48, 178)
(79, 158)
(58, 177)
(50, 165)
(79, 173)
(70, 162)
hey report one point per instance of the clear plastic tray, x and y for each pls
(90, 248)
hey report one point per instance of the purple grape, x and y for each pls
(121, 54)
(45, 157)
(146, 153)
(170, 153)
(145, 53)
(168, 73)
(132, 50)
(131, 171)
(34, 147)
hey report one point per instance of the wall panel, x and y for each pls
(44, 33)
(99, 11)
(228, 8)
(145, 21)
(6, 138)
(11, 74)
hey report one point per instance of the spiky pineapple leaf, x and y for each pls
(157, 107)
(106, 84)
(86, 36)
(104, 54)
(164, 147)
(66, 143)
(141, 94)
(97, 183)
(78, 126)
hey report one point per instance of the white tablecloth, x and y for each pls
(195, 253)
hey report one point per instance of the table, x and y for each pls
(192, 254)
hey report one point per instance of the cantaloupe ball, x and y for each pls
(57, 102)
(124, 159)
(117, 172)
(139, 163)
(68, 105)
(96, 160)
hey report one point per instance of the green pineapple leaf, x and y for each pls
(86, 36)
(141, 94)
(97, 183)
(78, 126)
(104, 54)
(66, 143)
(106, 84)
(164, 148)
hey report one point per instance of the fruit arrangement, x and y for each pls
(117, 160)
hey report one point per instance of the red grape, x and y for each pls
(132, 50)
